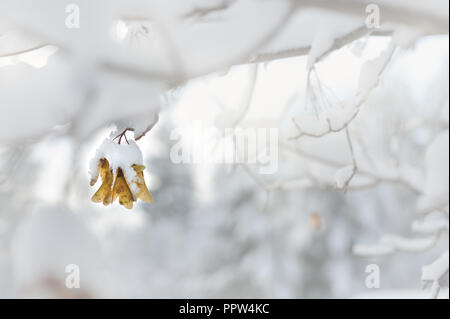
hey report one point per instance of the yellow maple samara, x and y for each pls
(117, 186)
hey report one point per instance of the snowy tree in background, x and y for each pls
(357, 89)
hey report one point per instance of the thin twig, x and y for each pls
(355, 165)
(16, 53)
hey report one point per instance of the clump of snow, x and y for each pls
(122, 156)
(322, 42)
(437, 175)
(24, 117)
(371, 70)
(405, 38)
(430, 226)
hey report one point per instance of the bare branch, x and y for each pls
(16, 53)
(375, 178)
(330, 128)
(354, 164)
(201, 12)
(338, 43)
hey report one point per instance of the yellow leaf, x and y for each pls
(104, 194)
(121, 190)
(100, 194)
(143, 193)
(138, 168)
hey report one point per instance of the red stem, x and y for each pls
(121, 135)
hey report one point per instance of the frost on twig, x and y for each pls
(331, 121)
(344, 176)
(332, 117)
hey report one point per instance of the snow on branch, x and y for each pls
(430, 18)
(434, 272)
(427, 227)
(389, 244)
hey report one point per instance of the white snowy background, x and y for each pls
(363, 172)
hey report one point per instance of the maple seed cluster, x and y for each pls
(114, 186)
